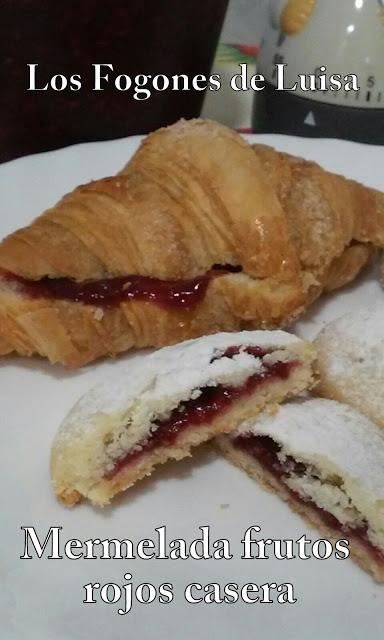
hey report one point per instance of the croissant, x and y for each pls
(200, 232)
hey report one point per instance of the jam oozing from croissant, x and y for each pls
(265, 450)
(110, 292)
(211, 402)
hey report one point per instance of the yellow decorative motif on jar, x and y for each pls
(296, 15)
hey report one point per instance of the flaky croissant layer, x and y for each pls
(200, 232)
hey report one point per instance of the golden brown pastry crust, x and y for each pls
(193, 196)
(4, 347)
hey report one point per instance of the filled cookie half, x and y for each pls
(170, 401)
(327, 461)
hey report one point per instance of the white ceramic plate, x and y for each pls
(41, 598)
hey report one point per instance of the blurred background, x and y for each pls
(310, 37)
(186, 38)
(245, 21)
(170, 37)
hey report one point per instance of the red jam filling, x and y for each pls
(110, 292)
(212, 402)
(257, 352)
(265, 451)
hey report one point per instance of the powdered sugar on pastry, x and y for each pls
(327, 461)
(332, 436)
(122, 416)
(160, 372)
(351, 362)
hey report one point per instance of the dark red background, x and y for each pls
(147, 36)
